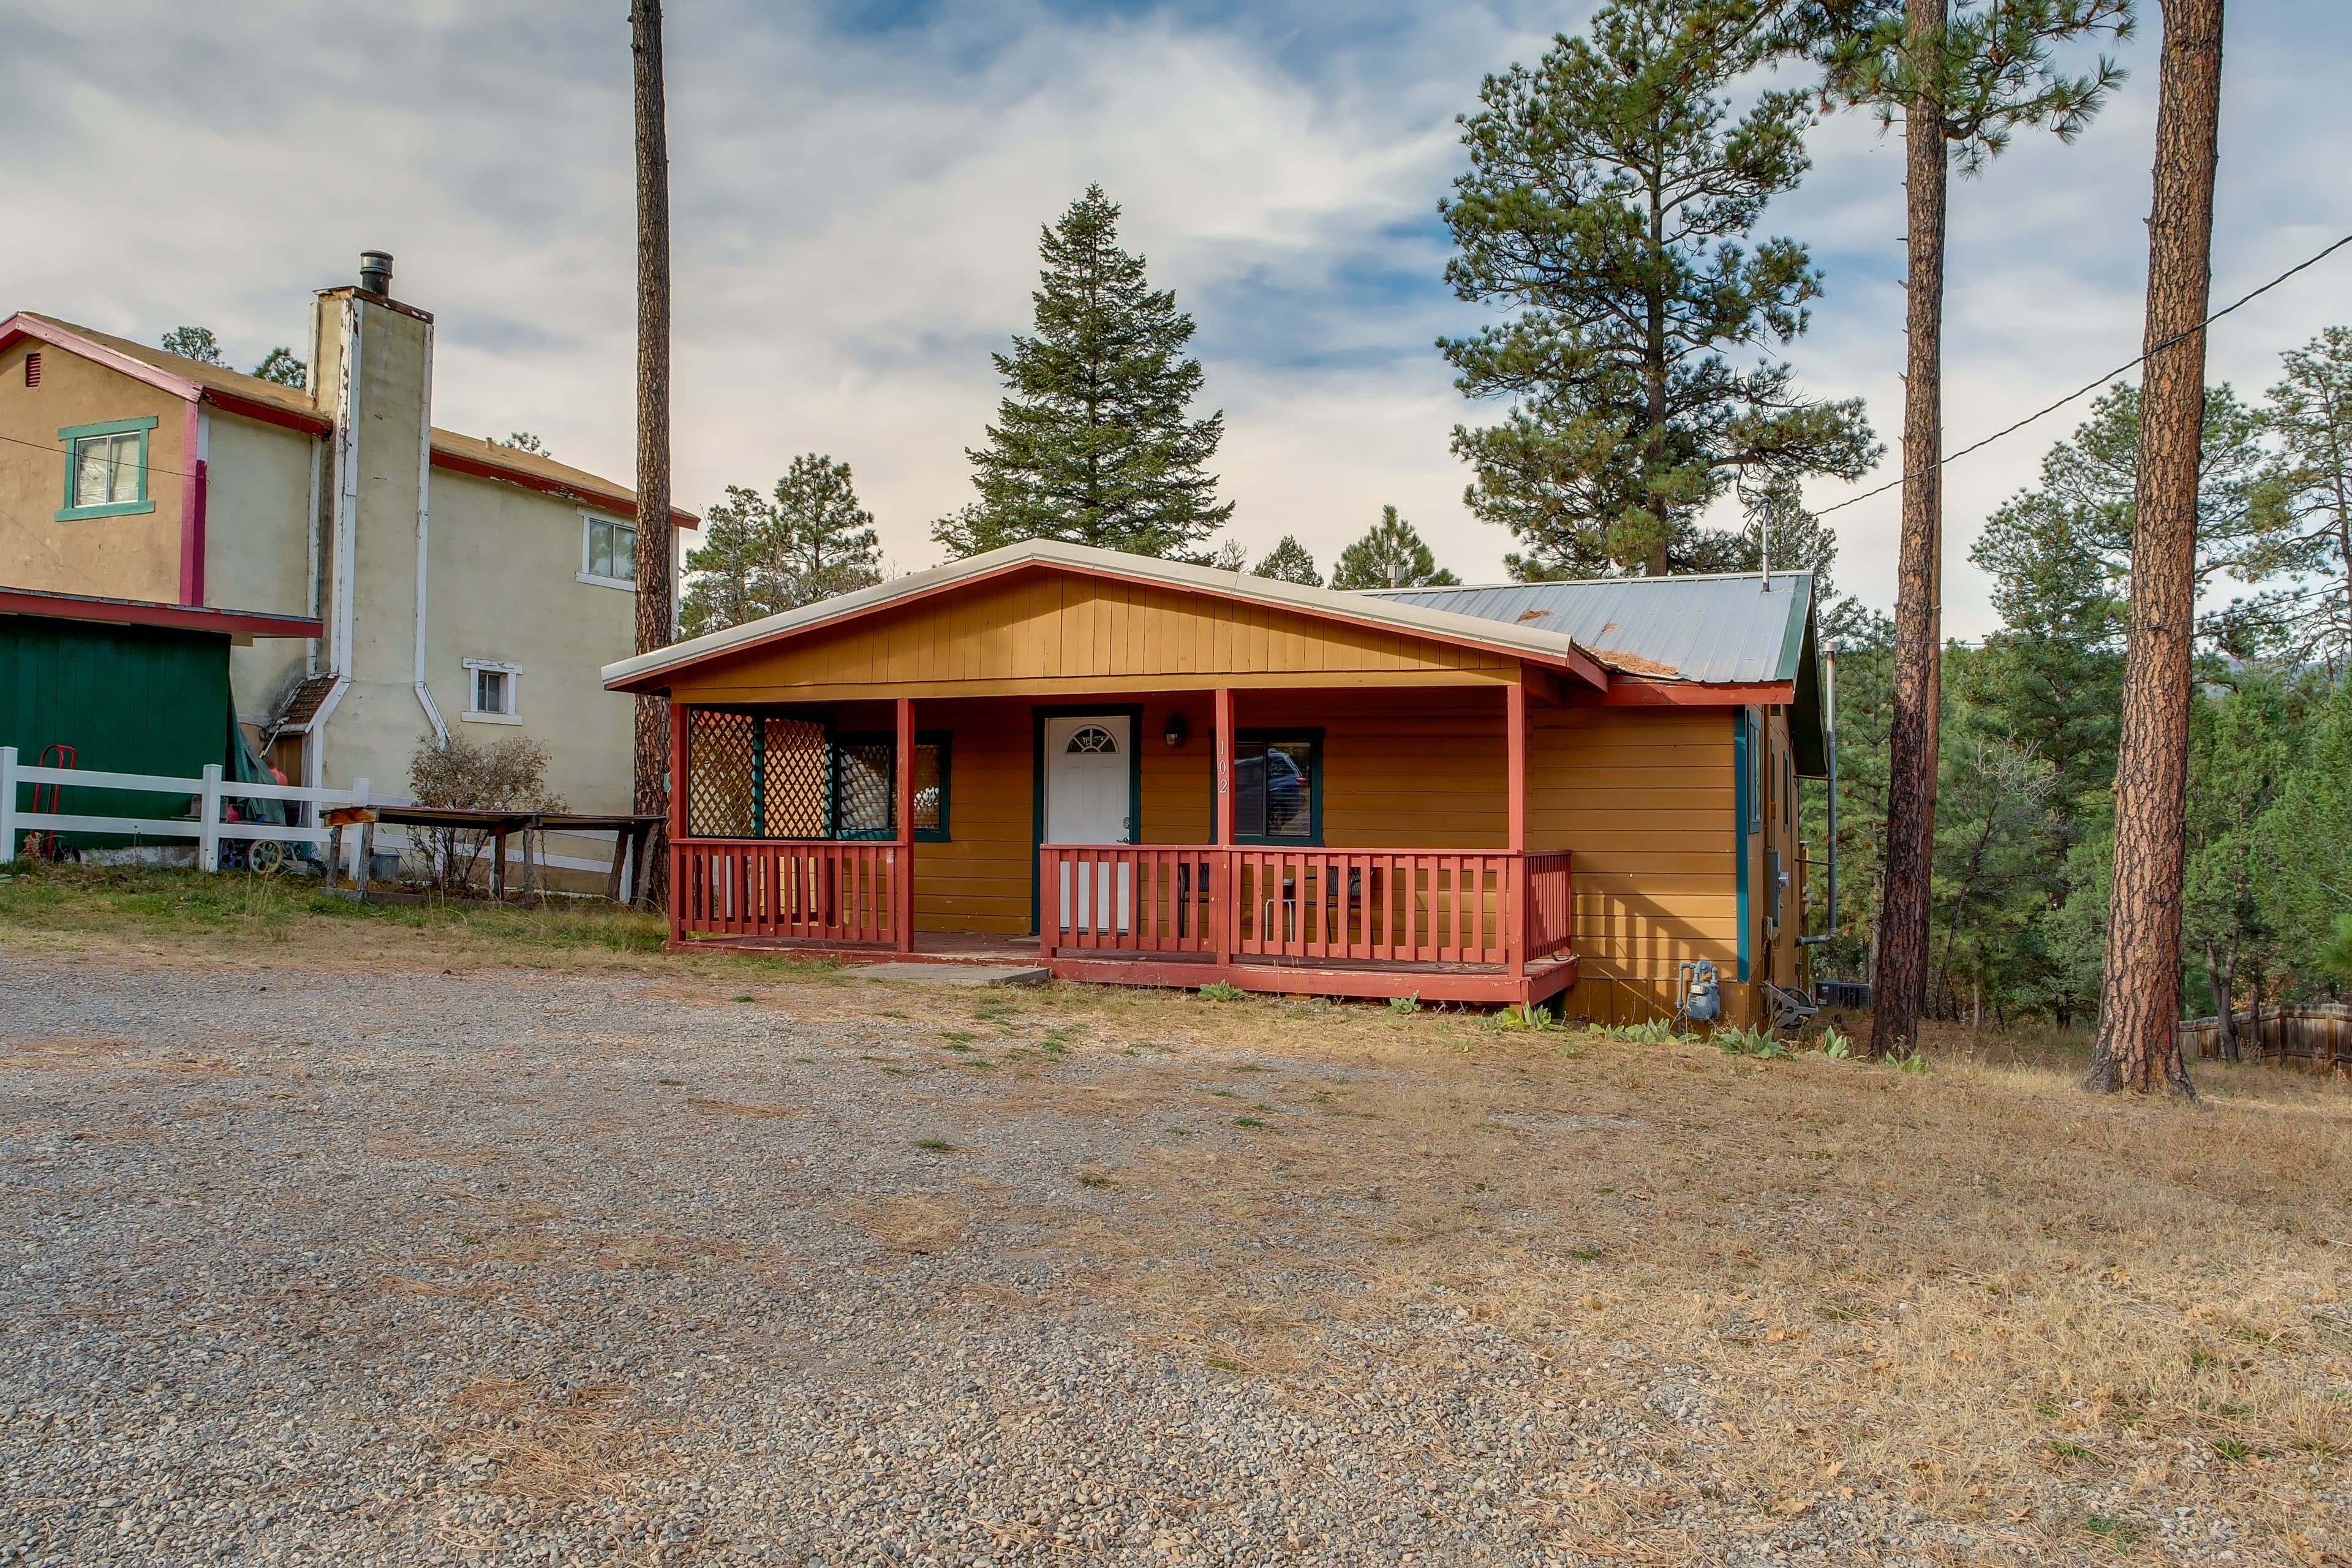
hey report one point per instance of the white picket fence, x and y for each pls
(205, 828)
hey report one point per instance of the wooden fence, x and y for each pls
(2316, 1038)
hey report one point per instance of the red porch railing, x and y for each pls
(1551, 905)
(1129, 897)
(813, 890)
(1384, 906)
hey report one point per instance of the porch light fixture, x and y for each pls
(1175, 736)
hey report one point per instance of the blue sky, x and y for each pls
(859, 186)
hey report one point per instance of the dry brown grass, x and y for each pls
(1977, 1293)
(547, 1443)
(917, 1224)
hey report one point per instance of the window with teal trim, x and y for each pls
(1278, 786)
(106, 469)
(865, 785)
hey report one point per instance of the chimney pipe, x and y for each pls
(375, 273)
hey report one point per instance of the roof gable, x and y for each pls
(1160, 618)
(237, 393)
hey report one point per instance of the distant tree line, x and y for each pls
(2024, 821)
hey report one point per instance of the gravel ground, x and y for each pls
(391, 1267)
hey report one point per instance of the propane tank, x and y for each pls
(1698, 992)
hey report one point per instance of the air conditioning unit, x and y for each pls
(1851, 994)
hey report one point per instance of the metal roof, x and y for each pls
(1717, 630)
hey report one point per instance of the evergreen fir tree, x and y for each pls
(1093, 445)
(763, 555)
(1288, 562)
(1390, 555)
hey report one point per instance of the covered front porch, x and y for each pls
(931, 829)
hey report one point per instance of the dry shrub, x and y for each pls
(458, 772)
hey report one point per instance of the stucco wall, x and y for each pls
(504, 588)
(257, 547)
(132, 556)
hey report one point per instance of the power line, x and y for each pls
(2100, 382)
(66, 453)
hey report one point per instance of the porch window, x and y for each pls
(1278, 786)
(866, 786)
(754, 776)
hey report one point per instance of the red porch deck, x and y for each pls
(1445, 925)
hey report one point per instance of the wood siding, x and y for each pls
(1646, 800)
(1045, 633)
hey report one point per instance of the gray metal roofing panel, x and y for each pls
(1713, 629)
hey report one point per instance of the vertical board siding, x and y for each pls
(1052, 625)
(1644, 799)
(131, 700)
(979, 879)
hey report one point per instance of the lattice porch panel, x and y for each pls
(863, 789)
(722, 774)
(796, 780)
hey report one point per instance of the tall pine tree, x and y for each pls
(1093, 443)
(1961, 84)
(1609, 196)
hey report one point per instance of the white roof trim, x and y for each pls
(1553, 648)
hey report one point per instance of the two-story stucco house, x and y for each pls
(369, 581)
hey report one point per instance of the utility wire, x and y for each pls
(2095, 384)
(60, 452)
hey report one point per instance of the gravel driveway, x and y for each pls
(390, 1265)
(518, 1266)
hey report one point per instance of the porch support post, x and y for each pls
(902, 893)
(1515, 731)
(678, 787)
(1222, 909)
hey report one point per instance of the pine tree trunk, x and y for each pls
(654, 570)
(2139, 990)
(1900, 982)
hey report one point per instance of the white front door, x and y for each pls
(1086, 772)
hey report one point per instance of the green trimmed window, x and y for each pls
(106, 469)
(1278, 786)
(864, 772)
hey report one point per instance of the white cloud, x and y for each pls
(856, 216)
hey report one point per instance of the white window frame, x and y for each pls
(512, 713)
(588, 522)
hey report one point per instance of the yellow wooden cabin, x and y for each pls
(1177, 775)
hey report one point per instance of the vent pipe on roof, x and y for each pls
(375, 273)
